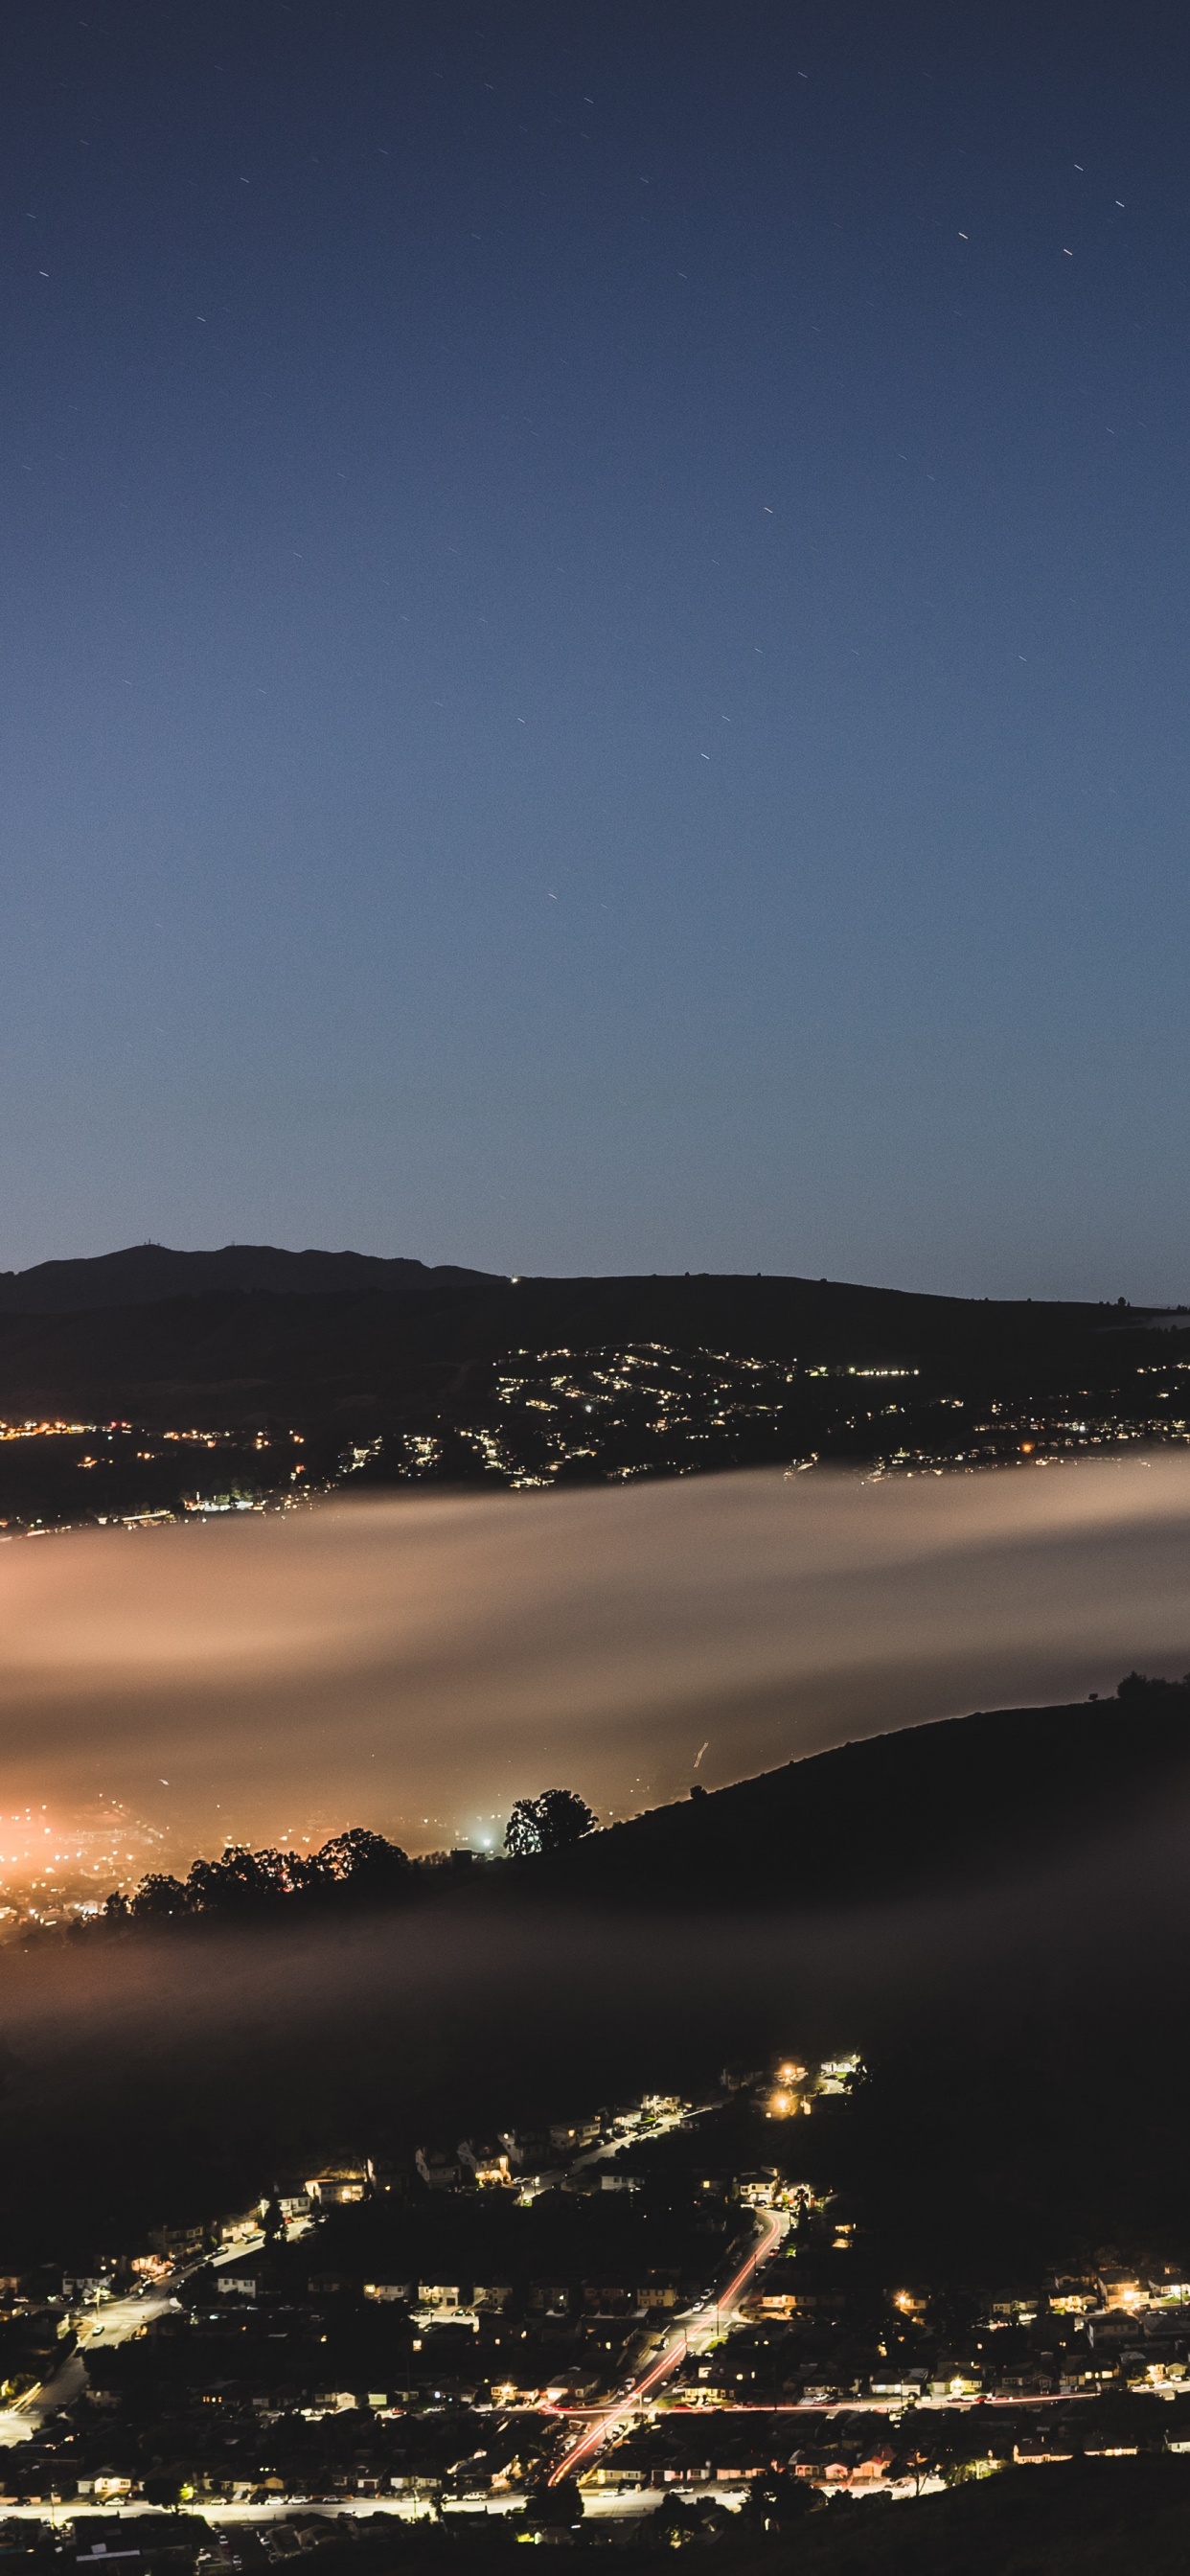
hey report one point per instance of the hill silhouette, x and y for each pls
(888, 1819)
(1023, 2102)
(145, 1273)
(250, 1335)
(895, 1817)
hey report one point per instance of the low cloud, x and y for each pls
(416, 1662)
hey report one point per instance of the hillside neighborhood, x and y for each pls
(645, 2308)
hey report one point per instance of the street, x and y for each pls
(110, 2324)
(695, 2332)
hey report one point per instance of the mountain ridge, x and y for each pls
(464, 1377)
(150, 1273)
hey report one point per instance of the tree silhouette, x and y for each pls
(372, 1866)
(158, 1897)
(550, 1823)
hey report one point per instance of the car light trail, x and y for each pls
(658, 2370)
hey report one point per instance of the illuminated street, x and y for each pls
(695, 2332)
(112, 2322)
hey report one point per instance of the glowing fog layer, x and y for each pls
(415, 1663)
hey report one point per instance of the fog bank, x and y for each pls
(416, 1662)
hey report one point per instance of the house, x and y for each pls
(444, 2296)
(385, 2176)
(586, 2180)
(1119, 2288)
(550, 2298)
(525, 2148)
(609, 2299)
(338, 2185)
(569, 2137)
(1071, 2294)
(773, 2303)
(1041, 2446)
(757, 2190)
(180, 2244)
(489, 2165)
(1169, 2285)
(661, 2290)
(875, 2464)
(438, 2171)
(1158, 2376)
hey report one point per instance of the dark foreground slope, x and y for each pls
(1015, 1980)
(1075, 2518)
(896, 1817)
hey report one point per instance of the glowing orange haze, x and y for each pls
(416, 1663)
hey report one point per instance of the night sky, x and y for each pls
(594, 627)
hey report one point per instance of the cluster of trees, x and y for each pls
(356, 1868)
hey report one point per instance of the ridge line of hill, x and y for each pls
(149, 1273)
(152, 1273)
(917, 1810)
(921, 1811)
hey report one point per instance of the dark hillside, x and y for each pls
(1109, 2517)
(264, 1367)
(1026, 2101)
(919, 1812)
(380, 1355)
(892, 1817)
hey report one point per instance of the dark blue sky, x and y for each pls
(595, 635)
